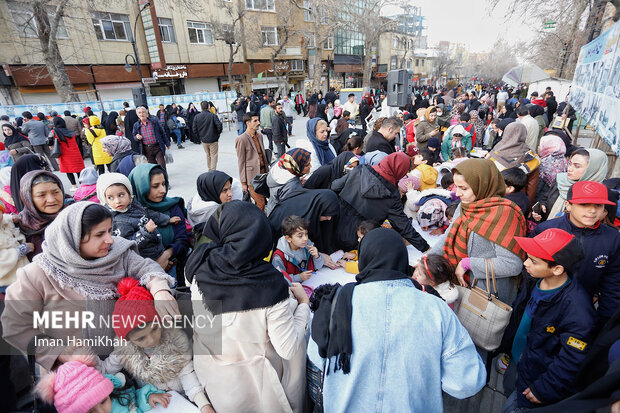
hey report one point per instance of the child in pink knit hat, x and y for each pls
(152, 353)
(77, 387)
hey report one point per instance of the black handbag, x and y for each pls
(56, 151)
(259, 184)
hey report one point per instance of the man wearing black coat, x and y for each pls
(131, 117)
(383, 139)
(279, 130)
(208, 127)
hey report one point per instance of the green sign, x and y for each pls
(549, 24)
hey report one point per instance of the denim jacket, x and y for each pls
(408, 346)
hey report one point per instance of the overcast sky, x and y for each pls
(470, 22)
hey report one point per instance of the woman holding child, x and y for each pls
(81, 265)
(260, 365)
(150, 186)
(485, 229)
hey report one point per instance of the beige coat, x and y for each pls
(263, 365)
(423, 133)
(247, 157)
(10, 261)
(33, 291)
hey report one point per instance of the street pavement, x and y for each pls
(190, 162)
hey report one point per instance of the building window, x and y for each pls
(111, 26)
(417, 62)
(199, 33)
(270, 36)
(310, 41)
(166, 29)
(265, 5)
(27, 25)
(349, 42)
(410, 44)
(328, 44)
(393, 63)
(308, 12)
(422, 63)
(394, 42)
(297, 65)
(408, 63)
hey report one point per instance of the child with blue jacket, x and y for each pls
(551, 327)
(599, 271)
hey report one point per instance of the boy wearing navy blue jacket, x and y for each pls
(599, 271)
(553, 320)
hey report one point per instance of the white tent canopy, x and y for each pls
(526, 73)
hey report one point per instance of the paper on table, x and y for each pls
(339, 275)
(178, 403)
(337, 255)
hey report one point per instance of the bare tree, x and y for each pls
(443, 63)
(286, 31)
(369, 21)
(47, 16)
(324, 19)
(231, 32)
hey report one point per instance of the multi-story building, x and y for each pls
(181, 50)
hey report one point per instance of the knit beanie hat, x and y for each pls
(413, 178)
(111, 178)
(433, 143)
(88, 176)
(135, 307)
(75, 387)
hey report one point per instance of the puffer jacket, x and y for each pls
(94, 136)
(366, 195)
(130, 225)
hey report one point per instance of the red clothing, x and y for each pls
(292, 269)
(410, 128)
(2, 148)
(71, 159)
(540, 102)
(469, 127)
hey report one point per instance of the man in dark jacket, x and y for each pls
(241, 106)
(150, 134)
(383, 139)
(552, 106)
(279, 130)
(364, 112)
(131, 117)
(599, 271)
(366, 195)
(207, 127)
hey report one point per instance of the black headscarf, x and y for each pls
(15, 137)
(210, 185)
(331, 330)
(61, 131)
(320, 112)
(110, 123)
(310, 204)
(231, 268)
(323, 177)
(22, 166)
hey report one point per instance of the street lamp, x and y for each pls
(135, 57)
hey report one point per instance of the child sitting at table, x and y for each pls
(425, 170)
(349, 259)
(295, 255)
(435, 271)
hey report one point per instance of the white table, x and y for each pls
(339, 275)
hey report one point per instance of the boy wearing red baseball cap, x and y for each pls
(551, 324)
(599, 271)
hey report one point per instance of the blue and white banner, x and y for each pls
(221, 100)
(595, 93)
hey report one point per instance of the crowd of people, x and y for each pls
(475, 179)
